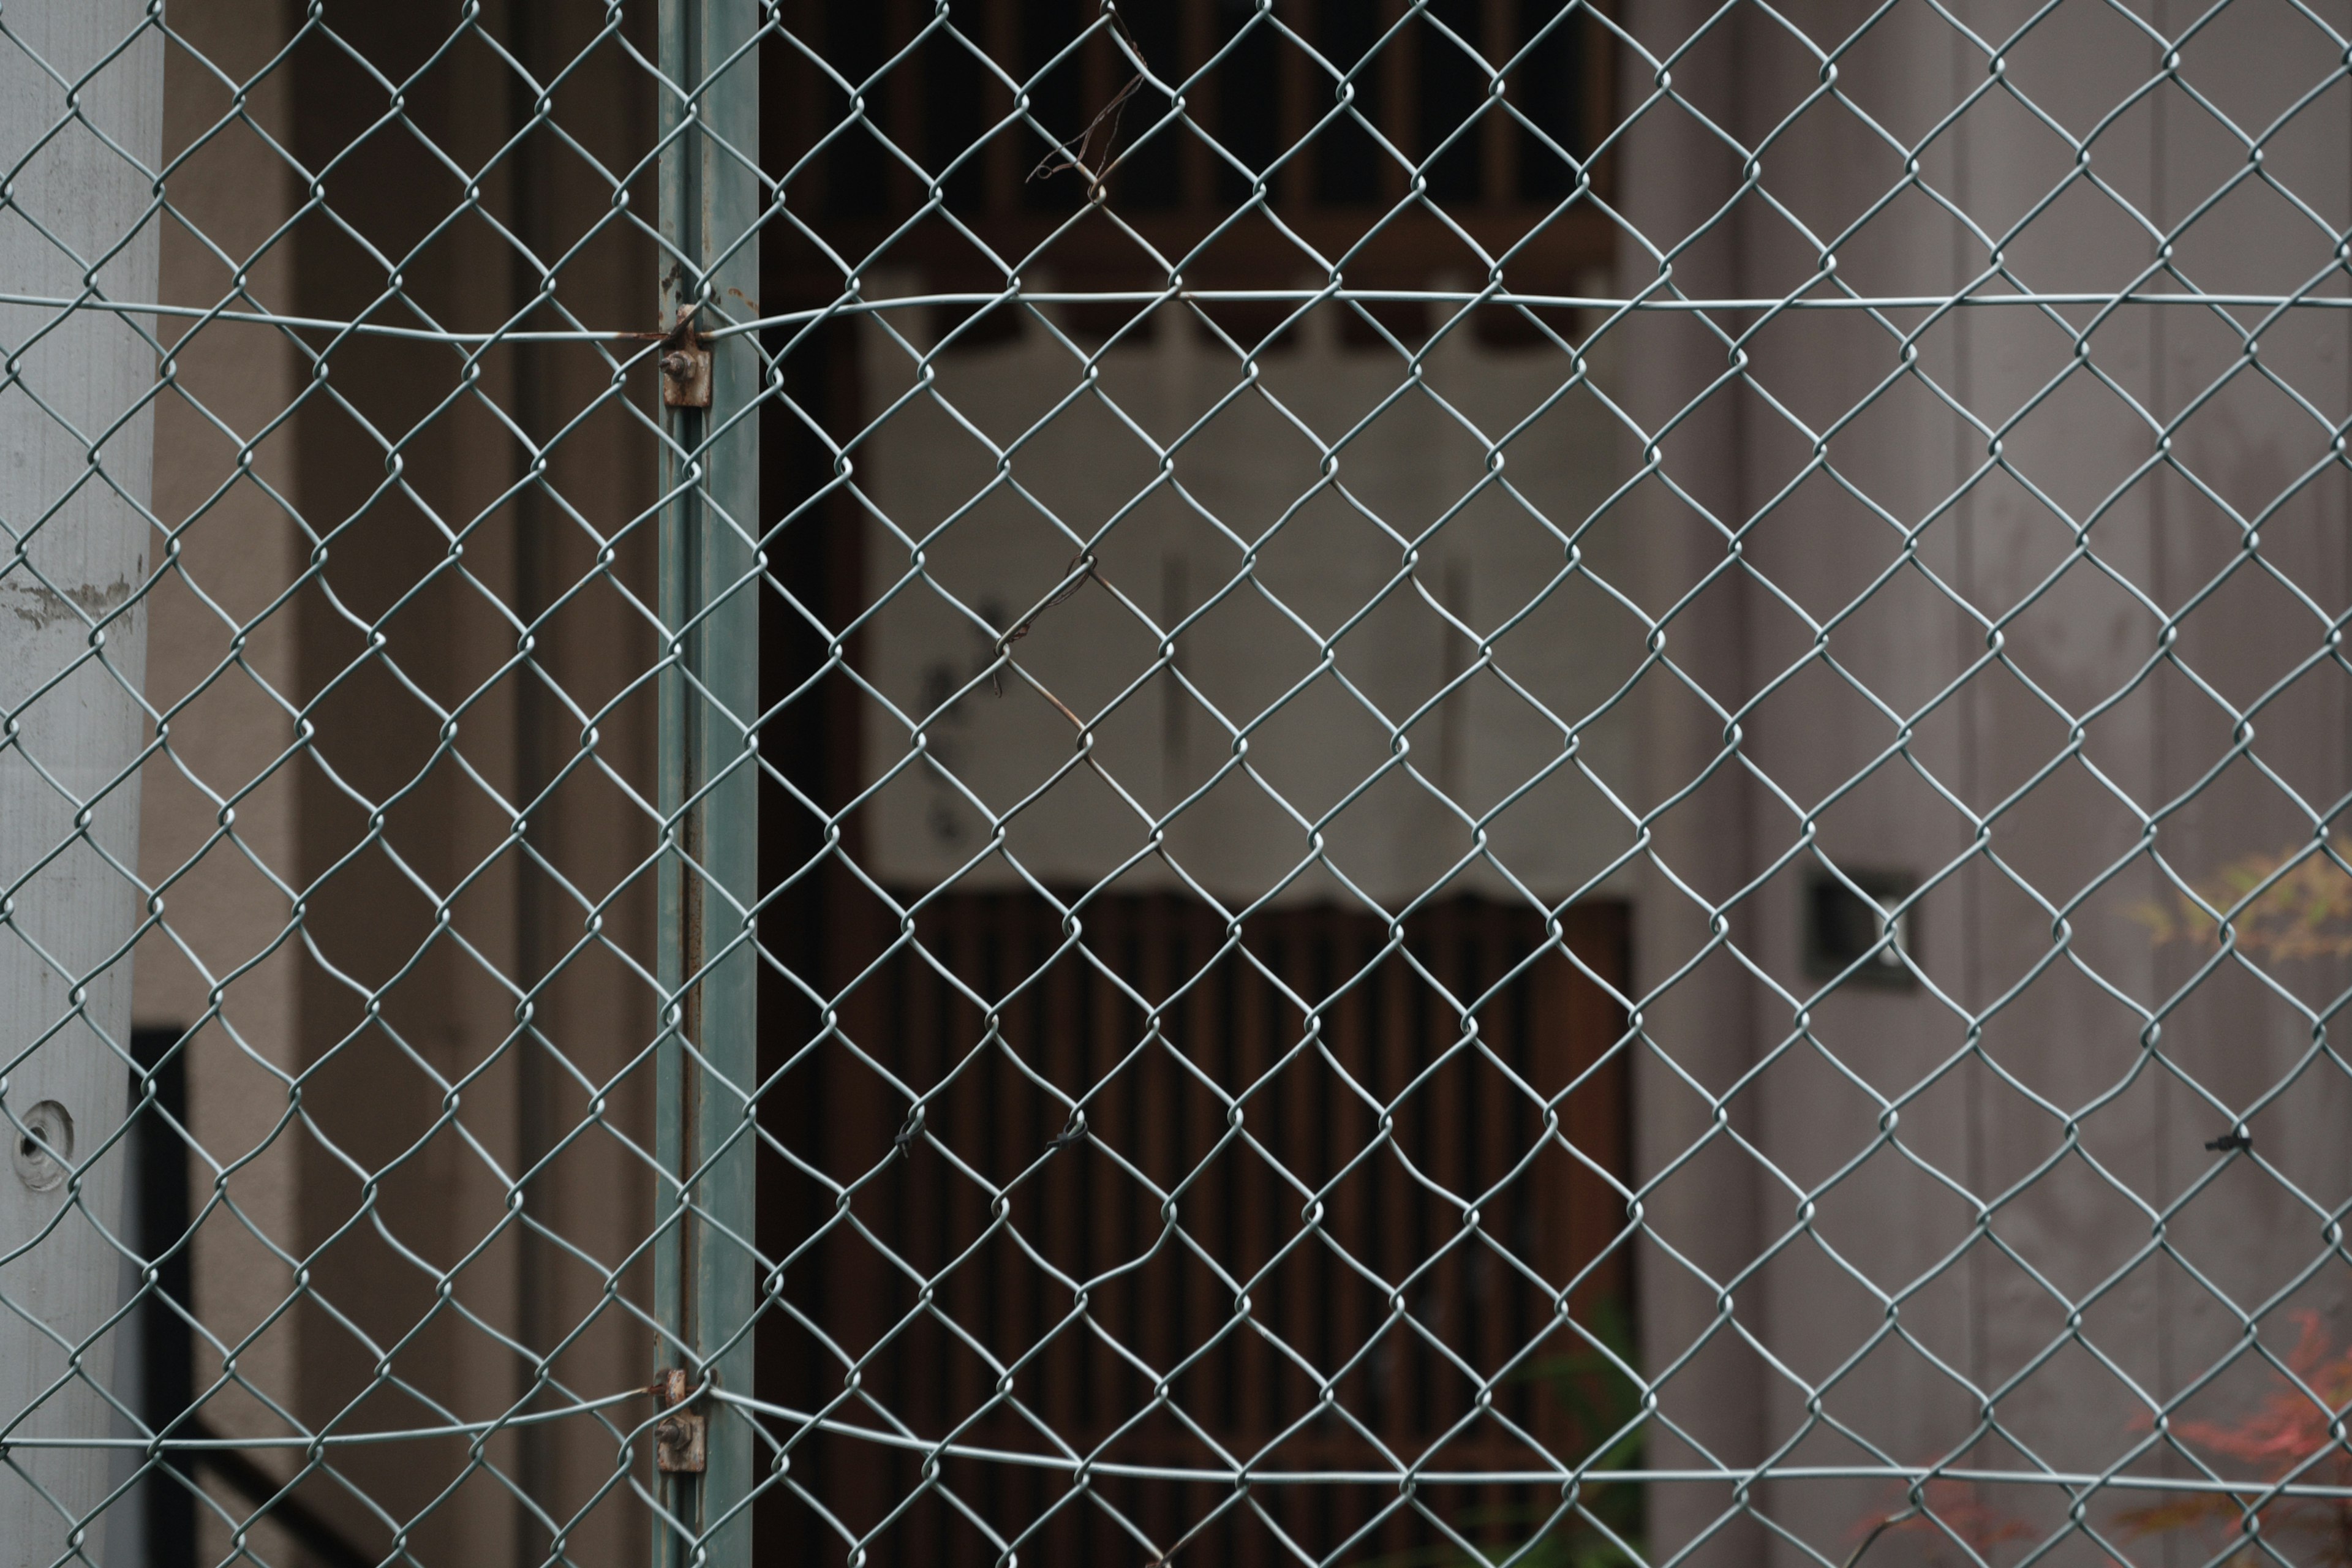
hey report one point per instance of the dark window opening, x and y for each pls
(1548, 90)
(1148, 153)
(1056, 96)
(1261, 105)
(1249, 100)
(1347, 156)
(953, 118)
(857, 169)
(1843, 930)
(1453, 87)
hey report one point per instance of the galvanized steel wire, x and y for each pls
(574, 854)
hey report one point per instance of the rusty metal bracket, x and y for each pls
(680, 1447)
(686, 364)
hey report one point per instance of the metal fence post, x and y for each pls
(705, 1270)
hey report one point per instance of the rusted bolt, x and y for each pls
(685, 372)
(679, 1437)
(678, 1445)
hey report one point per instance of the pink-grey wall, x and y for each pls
(1955, 668)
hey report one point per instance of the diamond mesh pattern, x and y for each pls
(1428, 782)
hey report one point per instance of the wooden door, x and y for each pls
(1128, 1127)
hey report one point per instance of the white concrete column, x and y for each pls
(80, 118)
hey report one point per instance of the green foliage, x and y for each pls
(2284, 907)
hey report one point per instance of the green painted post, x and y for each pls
(706, 1275)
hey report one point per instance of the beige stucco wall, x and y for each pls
(1321, 613)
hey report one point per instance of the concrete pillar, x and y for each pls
(76, 457)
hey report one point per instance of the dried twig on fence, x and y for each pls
(1104, 123)
(1004, 644)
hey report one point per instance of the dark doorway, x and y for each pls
(166, 1358)
(1159, 1063)
(165, 1223)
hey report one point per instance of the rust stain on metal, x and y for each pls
(681, 1445)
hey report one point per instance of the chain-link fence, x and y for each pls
(1371, 781)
